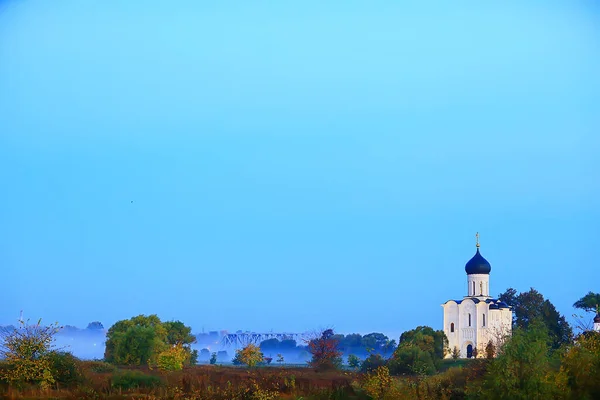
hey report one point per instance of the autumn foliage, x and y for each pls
(325, 352)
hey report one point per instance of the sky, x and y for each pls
(288, 166)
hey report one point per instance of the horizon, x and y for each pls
(287, 167)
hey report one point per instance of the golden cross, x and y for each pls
(477, 239)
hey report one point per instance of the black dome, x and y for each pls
(478, 265)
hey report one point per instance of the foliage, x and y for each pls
(134, 379)
(324, 351)
(589, 303)
(581, 366)
(250, 355)
(280, 358)
(26, 351)
(530, 307)
(140, 340)
(173, 358)
(427, 339)
(379, 343)
(213, 359)
(490, 350)
(522, 370)
(353, 361)
(378, 383)
(372, 362)
(455, 353)
(100, 366)
(419, 352)
(65, 368)
(409, 359)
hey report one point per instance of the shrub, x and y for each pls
(172, 359)
(134, 379)
(65, 368)
(372, 362)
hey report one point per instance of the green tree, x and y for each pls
(213, 359)
(140, 340)
(530, 307)
(419, 351)
(581, 365)
(522, 370)
(27, 351)
(455, 353)
(353, 361)
(589, 303)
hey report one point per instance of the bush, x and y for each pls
(172, 359)
(411, 360)
(64, 368)
(133, 380)
(98, 366)
(373, 362)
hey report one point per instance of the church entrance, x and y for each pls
(470, 351)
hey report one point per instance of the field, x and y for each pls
(98, 380)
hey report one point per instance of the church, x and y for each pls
(478, 319)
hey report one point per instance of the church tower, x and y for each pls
(478, 274)
(477, 320)
(597, 321)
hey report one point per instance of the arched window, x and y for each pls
(483, 319)
(473, 288)
(469, 319)
(452, 327)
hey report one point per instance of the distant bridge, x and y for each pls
(244, 339)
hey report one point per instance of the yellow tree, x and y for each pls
(250, 355)
(25, 350)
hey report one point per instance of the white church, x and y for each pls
(477, 319)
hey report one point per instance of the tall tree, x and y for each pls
(530, 306)
(589, 303)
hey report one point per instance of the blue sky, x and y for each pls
(291, 165)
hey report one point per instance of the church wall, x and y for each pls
(451, 312)
(468, 332)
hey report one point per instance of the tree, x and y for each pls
(379, 342)
(141, 339)
(213, 359)
(96, 325)
(581, 364)
(173, 358)
(269, 345)
(250, 355)
(372, 362)
(455, 353)
(589, 303)
(353, 361)
(26, 351)
(427, 339)
(419, 352)
(204, 354)
(324, 351)
(280, 358)
(523, 369)
(490, 350)
(530, 307)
